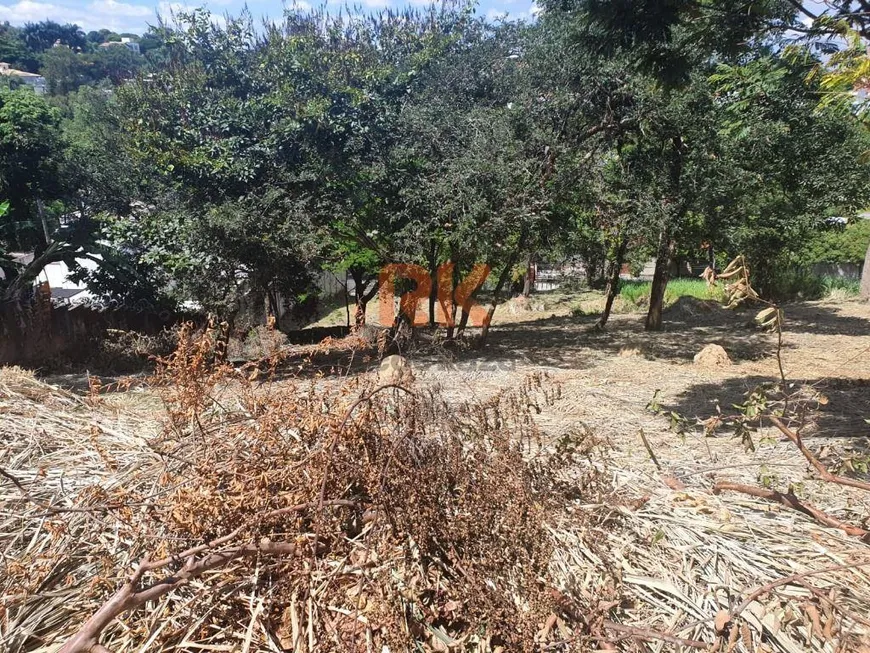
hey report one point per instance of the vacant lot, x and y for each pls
(673, 553)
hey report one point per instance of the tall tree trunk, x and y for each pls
(346, 299)
(529, 282)
(271, 302)
(865, 277)
(433, 289)
(667, 246)
(496, 294)
(40, 210)
(362, 296)
(613, 282)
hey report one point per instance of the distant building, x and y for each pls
(34, 81)
(125, 41)
(55, 278)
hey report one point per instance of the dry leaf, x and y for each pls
(723, 618)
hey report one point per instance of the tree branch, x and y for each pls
(764, 589)
(86, 640)
(791, 501)
(129, 597)
(815, 462)
(653, 635)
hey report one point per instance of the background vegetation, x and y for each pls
(227, 164)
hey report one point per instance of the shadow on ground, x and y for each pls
(571, 342)
(843, 411)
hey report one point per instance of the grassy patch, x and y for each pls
(837, 287)
(638, 292)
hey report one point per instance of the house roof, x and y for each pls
(6, 69)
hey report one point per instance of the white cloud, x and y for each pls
(111, 14)
(169, 9)
(297, 5)
(115, 15)
(495, 14)
(114, 8)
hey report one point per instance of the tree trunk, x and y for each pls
(433, 289)
(613, 282)
(496, 294)
(529, 282)
(667, 246)
(865, 277)
(359, 316)
(346, 299)
(40, 209)
(362, 296)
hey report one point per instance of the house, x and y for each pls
(125, 41)
(56, 278)
(34, 81)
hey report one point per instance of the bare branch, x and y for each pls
(794, 578)
(791, 501)
(815, 462)
(86, 640)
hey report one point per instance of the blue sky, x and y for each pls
(136, 15)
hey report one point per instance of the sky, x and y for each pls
(135, 15)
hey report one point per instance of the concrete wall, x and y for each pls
(841, 270)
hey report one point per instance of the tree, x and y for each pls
(702, 172)
(29, 156)
(222, 158)
(791, 163)
(59, 173)
(42, 36)
(63, 69)
(116, 63)
(865, 277)
(14, 51)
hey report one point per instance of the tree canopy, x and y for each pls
(235, 160)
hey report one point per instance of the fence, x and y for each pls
(35, 333)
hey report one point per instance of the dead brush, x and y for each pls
(308, 517)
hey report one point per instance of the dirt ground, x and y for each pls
(692, 551)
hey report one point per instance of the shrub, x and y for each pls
(364, 517)
(803, 284)
(838, 244)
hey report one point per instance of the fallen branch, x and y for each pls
(815, 462)
(129, 598)
(653, 635)
(649, 450)
(788, 580)
(49, 509)
(791, 501)
(633, 632)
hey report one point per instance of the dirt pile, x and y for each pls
(712, 356)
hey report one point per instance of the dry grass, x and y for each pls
(651, 548)
(401, 522)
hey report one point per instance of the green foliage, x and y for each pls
(63, 69)
(838, 244)
(42, 36)
(231, 162)
(29, 157)
(638, 292)
(800, 283)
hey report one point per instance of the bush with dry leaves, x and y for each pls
(353, 517)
